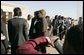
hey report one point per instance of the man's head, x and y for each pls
(29, 17)
(62, 17)
(39, 15)
(59, 16)
(36, 14)
(17, 11)
(56, 16)
(80, 23)
(80, 19)
(42, 13)
(47, 17)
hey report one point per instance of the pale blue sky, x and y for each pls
(66, 8)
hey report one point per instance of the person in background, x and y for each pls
(42, 16)
(32, 31)
(80, 20)
(4, 40)
(39, 27)
(17, 30)
(3, 50)
(73, 43)
(29, 17)
(72, 22)
(68, 23)
(54, 24)
(49, 24)
(61, 27)
(48, 20)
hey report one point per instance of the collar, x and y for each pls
(17, 16)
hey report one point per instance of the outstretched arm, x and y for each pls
(29, 46)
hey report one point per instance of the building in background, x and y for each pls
(8, 10)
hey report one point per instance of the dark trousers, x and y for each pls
(3, 50)
(13, 49)
(41, 48)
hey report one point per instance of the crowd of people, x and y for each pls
(31, 36)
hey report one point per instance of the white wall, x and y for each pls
(7, 7)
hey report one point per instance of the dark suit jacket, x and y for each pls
(73, 43)
(17, 30)
(40, 28)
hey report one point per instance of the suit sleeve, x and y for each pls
(25, 30)
(9, 32)
(31, 27)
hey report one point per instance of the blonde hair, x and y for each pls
(43, 12)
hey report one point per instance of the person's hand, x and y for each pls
(48, 39)
(53, 39)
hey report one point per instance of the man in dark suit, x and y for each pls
(17, 29)
(39, 25)
(32, 31)
(55, 24)
(73, 43)
(4, 43)
(61, 27)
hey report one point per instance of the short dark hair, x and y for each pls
(47, 16)
(56, 16)
(62, 17)
(36, 13)
(80, 17)
(29, 17)
(17, 11)
(59, 16)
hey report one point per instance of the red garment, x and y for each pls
(29, 46)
